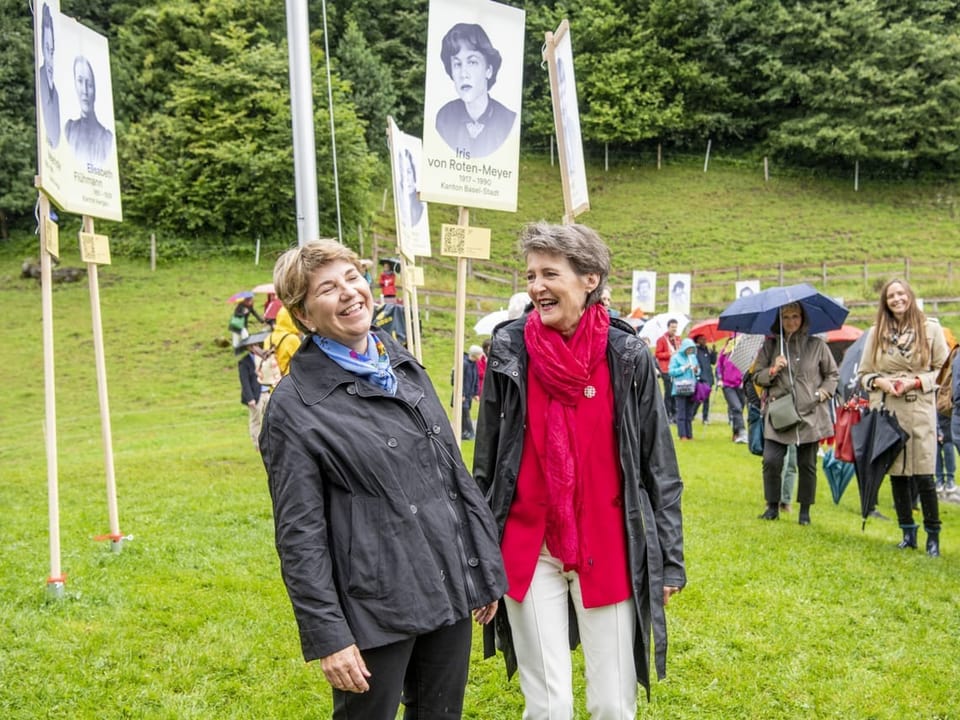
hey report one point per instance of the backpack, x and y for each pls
(945, 385)
(268, 367)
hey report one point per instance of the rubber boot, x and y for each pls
(771, 513)
(933, 543)
(909, 538)
(804, 517)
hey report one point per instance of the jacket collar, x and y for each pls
(315, 375)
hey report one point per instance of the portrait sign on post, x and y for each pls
(474, 87)
(644, 294)
(413, 226)
(558, 52)
(76, 144)
(679, 298)
(743, 288)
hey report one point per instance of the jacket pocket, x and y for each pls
(365, 572)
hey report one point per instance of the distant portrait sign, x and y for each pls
(76, 142)
(678, 301)
(745, 288)
(566, 114)
(413, 226)
(474, 87)
(644, 295)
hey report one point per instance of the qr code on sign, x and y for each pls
(454, 240)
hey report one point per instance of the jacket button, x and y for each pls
(436, 429)
(351, 390)
(473, 562)
(514, 373)
(495, 363)
(392, 442)
(413, 509)
(453, 495)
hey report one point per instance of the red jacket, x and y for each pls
(666, 347)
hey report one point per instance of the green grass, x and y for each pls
(191, 620)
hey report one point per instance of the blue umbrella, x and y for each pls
(839, 474)
(756, 313)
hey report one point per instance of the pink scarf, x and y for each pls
(564, 368)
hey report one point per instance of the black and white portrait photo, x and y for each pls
(644, 294)
(413, 225)
(475, 124)
(679, 299)
(91, 142)
(46, 84)
(745, 288)
(471, 104)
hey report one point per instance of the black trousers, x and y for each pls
(427, 673)
(668, 400)
(773, 454)
(903, 487)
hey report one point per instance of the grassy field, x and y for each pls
(191, 620)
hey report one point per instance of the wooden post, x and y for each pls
(780, 273)
(766, 169)
(706, 159)
(856, 176)
(153, 252)
(659, 155)
(606, 157)
(463, 218)
(56, 579)
(256, 257)
(865, 274)
(823, 272)
(360, 237)
(101, 365)
(906, 269)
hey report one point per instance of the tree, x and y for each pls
(216, 161)
(18, 133)
(371, 83)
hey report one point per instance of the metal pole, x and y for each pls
(333, 132)
(301, 112)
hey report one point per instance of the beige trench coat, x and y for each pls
(916, 410)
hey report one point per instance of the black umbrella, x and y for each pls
(848, 384)
(877, 440)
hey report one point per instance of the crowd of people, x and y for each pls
(549, 542)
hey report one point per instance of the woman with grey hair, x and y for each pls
(575, 456)
(386, 545)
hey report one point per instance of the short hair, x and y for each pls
(291, 274)
(474, 36)
(775, 327)
(475, 351)
(46, 23)
(579, 244)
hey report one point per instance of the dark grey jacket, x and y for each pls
(382, 532)
(652, 484)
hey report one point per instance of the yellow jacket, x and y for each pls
(285, 338)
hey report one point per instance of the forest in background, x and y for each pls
(203, 113)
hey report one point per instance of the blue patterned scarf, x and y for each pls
(375, 370)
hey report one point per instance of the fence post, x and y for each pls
(516, 280)
(780, 273)
(906, 269)
(153, 252)
(950, 271)
(823, 272)
(865, 276)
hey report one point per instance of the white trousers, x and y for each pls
(540, 625)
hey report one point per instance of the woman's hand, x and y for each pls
(485, 614)
(668, 592)
(345, 670)
(779, 363)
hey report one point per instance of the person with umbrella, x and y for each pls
(793, 362)
(902, 356)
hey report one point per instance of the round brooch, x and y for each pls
(589, 391)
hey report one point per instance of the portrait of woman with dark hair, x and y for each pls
(475, 125)
(49, 97)
(411, 207)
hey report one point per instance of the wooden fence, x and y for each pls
(856, 283)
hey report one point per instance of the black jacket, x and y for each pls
(382, 533)
(652, 484)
